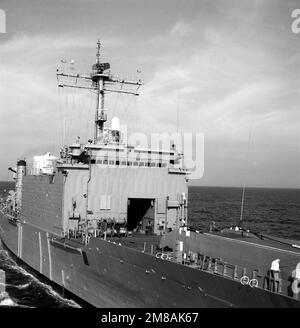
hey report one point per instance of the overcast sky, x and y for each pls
(223, 66)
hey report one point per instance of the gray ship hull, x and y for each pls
(105, 274)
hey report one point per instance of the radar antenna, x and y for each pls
(101, 82)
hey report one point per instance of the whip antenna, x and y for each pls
(244, 183)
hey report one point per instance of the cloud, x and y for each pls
(180, 30)
(30, 113)
(213, 73)
(224, 88)
(173, 36)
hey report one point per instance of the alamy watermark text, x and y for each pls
(295, 27)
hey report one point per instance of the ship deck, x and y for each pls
(151, 243)
(138, 241)
(274, 243)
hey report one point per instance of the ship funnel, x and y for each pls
(21, 169)
(115, 124)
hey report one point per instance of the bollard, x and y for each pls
(151, 249)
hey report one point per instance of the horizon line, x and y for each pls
(208, 186)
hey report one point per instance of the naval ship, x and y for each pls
(107, 221)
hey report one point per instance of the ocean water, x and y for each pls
(270, 211)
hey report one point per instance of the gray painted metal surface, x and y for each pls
(111, 275)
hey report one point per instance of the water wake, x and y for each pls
(16, 286)
(5, 300)
(9, 263)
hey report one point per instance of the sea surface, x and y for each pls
(271, 211)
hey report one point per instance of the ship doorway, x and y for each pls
(140, 215)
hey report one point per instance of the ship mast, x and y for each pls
(98, 81)
(98, 78)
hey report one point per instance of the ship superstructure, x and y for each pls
(105, 180)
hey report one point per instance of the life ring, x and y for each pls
(245, 280)
(253, 283)
(164, 256)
